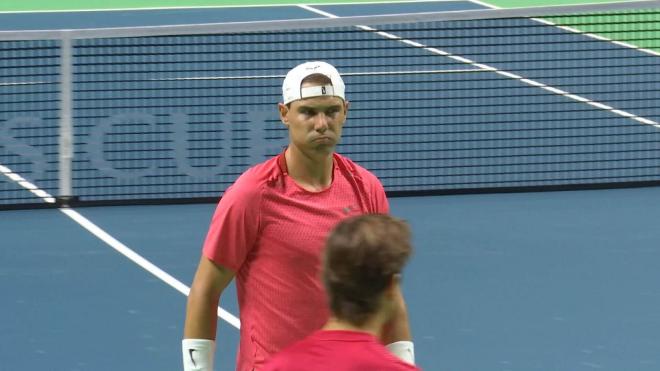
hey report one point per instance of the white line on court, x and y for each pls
(419, 72)
(141, 261)
(113, 242)
(43, 195)
(484, 4)
(575, 30)
(597, 37)
(507, 74)
(210, 7)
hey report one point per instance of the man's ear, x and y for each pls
(284, 110)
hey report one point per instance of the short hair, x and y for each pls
(361, 256)
(317, 79)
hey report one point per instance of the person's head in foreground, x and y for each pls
(362, 264)
(314, 107)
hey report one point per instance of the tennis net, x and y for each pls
(476, 101)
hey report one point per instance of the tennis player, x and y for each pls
(269, 229)
(362, 265)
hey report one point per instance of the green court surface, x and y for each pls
(528, 3)
(45, 5)
(642, 30)
(645, 34)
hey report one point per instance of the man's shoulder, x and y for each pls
(253, 180)
(343, 350)
(261, 172)
(292, 357)
(357, 169)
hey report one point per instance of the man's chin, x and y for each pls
(325, 148)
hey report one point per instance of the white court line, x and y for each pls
(507, 74)
(114, 243)
(419, 72)
(576, 31)
(597, 37)
(484, 4)
(214, 6)
(139, 260)
(43, 195)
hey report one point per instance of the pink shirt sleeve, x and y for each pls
(382, 206)
(377, 199)
(234, 226)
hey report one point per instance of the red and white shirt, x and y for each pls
(270, 231)
(337, 351)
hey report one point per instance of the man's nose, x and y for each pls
(321, 122)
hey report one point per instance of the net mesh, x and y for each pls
(29, 117)
(436, 107)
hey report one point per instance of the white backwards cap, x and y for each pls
(291, 88)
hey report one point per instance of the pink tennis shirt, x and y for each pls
(270, 231)
(337, 351)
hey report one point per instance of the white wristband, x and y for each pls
(198, 354)
(405, 350)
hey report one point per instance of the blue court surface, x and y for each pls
(550, 281)
(136, 18)
(529, 281)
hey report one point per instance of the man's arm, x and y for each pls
(396, 333)
(398, 328)
(201, 314)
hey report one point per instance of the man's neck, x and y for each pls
(313, 173)
(373, 326)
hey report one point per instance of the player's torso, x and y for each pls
(297, 221)
(280, 291)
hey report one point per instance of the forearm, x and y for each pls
(201, 316)
(198, 345)
(398, 328)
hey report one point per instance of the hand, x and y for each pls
(398, 327)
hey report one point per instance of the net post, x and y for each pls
(65, 193)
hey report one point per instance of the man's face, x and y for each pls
(315, 123)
